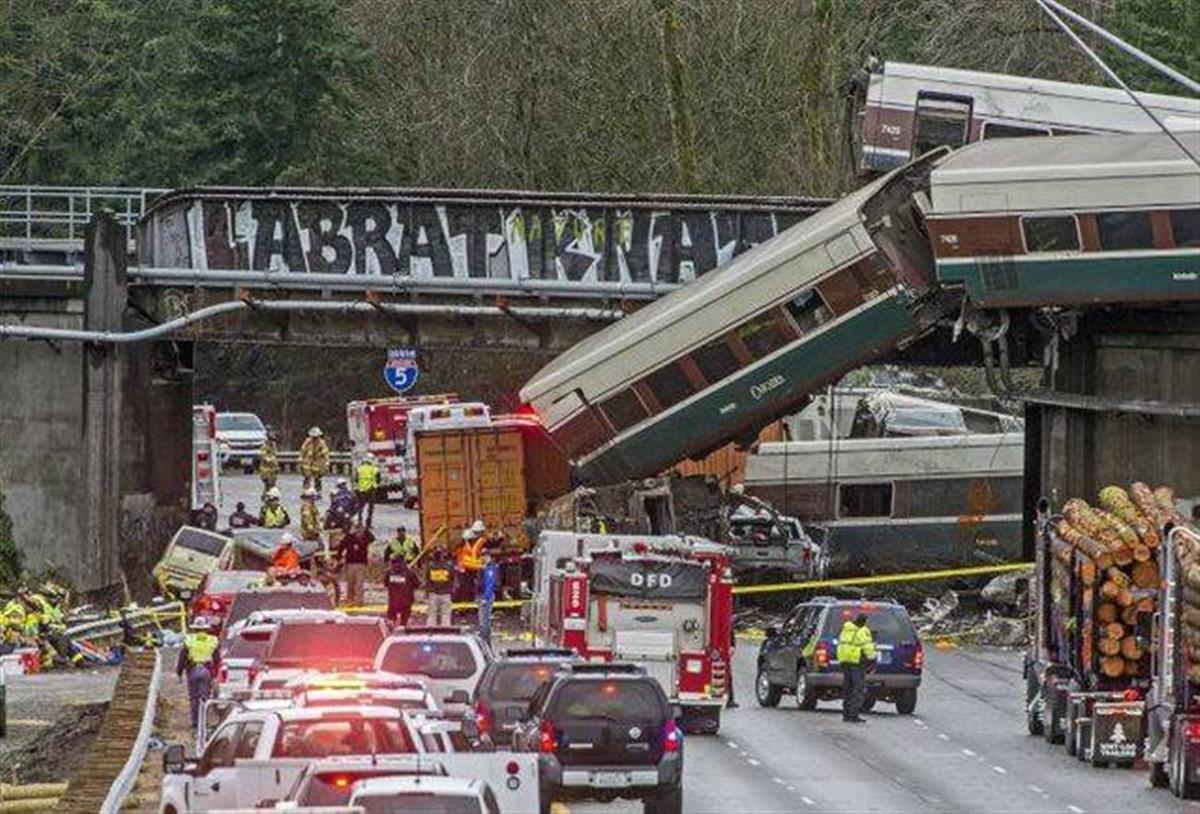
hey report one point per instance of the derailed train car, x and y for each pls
(1076, 220)
(746, 343)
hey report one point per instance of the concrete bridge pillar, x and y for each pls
(94, 437)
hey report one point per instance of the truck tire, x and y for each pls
(806, 696)
(906, 701)
(670, 802)
(1180, 786)
(768, 694)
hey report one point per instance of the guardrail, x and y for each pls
(111, 629)
(56, 218)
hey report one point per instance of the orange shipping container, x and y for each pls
(469, 474)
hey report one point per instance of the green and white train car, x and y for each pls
(748, 342)
(1073, 220)
(906, 503)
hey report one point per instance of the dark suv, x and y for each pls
(509, 683)
(800, 658)
(605, 731)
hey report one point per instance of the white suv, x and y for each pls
(451, 659)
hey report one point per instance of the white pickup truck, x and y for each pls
(255, 757)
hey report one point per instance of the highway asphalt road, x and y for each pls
(965, 749)
(248, 489)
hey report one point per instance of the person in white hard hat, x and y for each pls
(366, 487)
(314, 459)
(310, 518)
(272, 515)
(198, 662)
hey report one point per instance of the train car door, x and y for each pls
(941, 119)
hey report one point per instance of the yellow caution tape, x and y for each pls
(880, 579)
(843, 582)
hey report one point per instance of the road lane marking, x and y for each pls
(1076, 809)
(777, 780)
(943, 736)
(968, 753)
(807, 801)
(753, 762)
(1037, 789)
(999, 770)
(732, 745)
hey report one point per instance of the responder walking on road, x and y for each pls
(268, 462)
(314, 459)
(366, 486)
(467, 562)
(439, 582)
(198, 661)
(354, 550)
(310, 517)
(489, 584)
(272, 515)
(401, 583)
(402, 546)
(855, 652)
(242, 519)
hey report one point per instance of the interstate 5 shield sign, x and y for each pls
(400, 371)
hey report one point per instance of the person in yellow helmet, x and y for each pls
(272, 515)
(855, 652)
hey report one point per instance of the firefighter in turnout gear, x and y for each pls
(198, 662)
(272, 515)
(366, 484)
(268, 463)
(314, 459)
(310, 518)
(855, 653)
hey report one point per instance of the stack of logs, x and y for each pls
(1187, 557)
(1118, 541)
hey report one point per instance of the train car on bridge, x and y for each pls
(1069, 221)
(747, 343)
(907, 110)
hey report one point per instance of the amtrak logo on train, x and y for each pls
(762, 388)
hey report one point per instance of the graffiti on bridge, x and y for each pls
(587, 243)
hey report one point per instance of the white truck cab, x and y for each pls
(255, 756)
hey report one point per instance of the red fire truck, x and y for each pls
(380, 427)
(665, 603)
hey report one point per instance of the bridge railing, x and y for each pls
(55, 219)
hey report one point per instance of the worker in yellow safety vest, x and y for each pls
(402, 547)
(198, 661)
(855, 652)
(366, 486)
(272, 515)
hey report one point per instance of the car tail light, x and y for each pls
(1132, 694)
(483, 718)
(1192, 731)
(549, 741)
(672, 738)
(222, 674)
(918, 659)
(821, 655)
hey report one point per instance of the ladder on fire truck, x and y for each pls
(206, 462)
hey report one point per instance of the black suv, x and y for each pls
(509, 683)
(605, 731)
(800, 658)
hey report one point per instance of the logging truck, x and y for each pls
(1173, 704)
(1087, 670)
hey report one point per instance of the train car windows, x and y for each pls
(864, 500)
(1185, 226)
(624, 410)
(808, 310)
(715, 360)
(763, 334)
(1051, 234)
(997, 130)
(941, 120)
(1124, 230)
(669, 384)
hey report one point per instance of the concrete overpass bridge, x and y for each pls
(113, 287)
